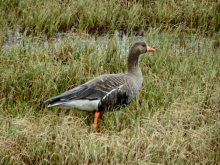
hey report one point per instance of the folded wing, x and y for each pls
(95, 89)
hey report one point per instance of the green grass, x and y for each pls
(173, 120)
(41, 16)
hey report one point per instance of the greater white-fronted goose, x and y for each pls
(106, 90)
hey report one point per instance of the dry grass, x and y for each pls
(174, 119)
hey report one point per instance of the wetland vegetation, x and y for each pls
(47, 48)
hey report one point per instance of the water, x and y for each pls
(121, 39)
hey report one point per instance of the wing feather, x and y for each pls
(92, 90)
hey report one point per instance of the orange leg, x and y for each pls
(96, 116)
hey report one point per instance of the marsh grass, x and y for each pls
(37, 17)
(173, 120)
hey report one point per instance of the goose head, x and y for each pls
(139, 48)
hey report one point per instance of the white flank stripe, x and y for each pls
(83, 105)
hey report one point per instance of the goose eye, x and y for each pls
(144, 45)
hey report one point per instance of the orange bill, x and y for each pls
(149, 49)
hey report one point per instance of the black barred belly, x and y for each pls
(114, 101)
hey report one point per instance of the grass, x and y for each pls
(173, 120)
(37, 17)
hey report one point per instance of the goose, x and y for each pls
(106, 90)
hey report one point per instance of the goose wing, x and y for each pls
(95, 89)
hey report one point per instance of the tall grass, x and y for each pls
(174, 119)
(41, 16)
